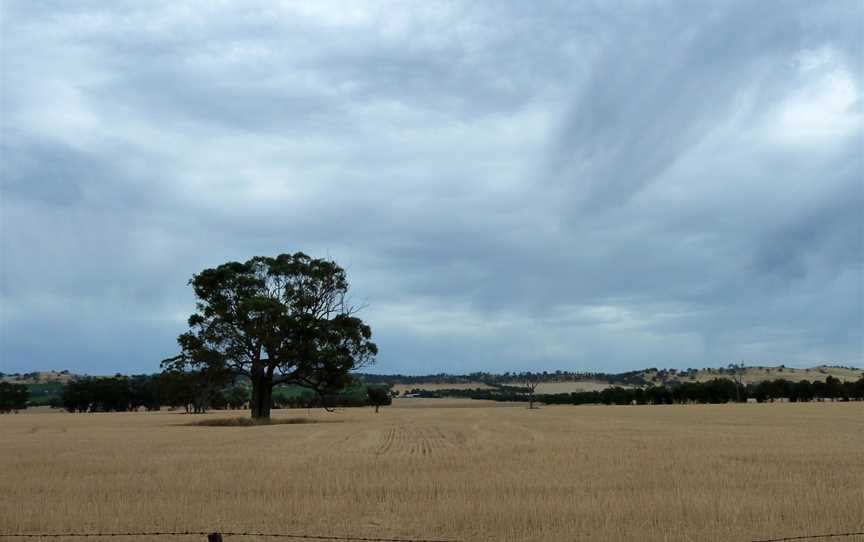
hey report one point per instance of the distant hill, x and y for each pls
(39, 377)
(550, 382)
(45, 387)
(754, 375)
(566, 381)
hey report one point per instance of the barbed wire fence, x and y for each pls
(219, 536)
(810, 537)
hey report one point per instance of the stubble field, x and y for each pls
(469, 472)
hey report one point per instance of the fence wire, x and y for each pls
(809, 537)
(223, 533)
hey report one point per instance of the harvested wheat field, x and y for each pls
(468, 472)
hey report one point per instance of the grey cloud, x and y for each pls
(659, 86)
(509, 187)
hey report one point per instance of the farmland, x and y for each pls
(542, 387)
(470, 472)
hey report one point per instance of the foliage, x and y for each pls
(114, 394)
(13, 397)
(45, 394)
(236, 396)
(719, 390)
(378, 396)
(353, 395)
(184, 390)
(195, 390)
(282, 320)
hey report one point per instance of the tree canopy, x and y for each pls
(13, 397)
(378, 396)
(280, 320)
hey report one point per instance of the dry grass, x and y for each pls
(662, 473)
(570, 387)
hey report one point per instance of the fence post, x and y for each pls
(214, 537)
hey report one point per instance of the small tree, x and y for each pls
(833, 387)
(282, 320)
(236, 396)
(530, 384)
(737, 370)
(13, 397)
(77, 396)
(175, 390)
(378, 396)
(197, 387)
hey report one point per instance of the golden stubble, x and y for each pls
(472, 471)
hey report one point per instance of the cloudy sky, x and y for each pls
(574, 185)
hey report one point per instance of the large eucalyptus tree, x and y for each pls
(282, 320)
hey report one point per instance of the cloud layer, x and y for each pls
(577, 186)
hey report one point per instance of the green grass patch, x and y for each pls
(43, 394)
(291, 392)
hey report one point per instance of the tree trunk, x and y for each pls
(262, 398)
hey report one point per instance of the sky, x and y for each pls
(587, 186)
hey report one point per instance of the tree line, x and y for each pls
(194, 392)
(632, 378)
(718, 390)
(189, 391)
(198, 394)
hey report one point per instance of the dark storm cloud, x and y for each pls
(577, 186)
